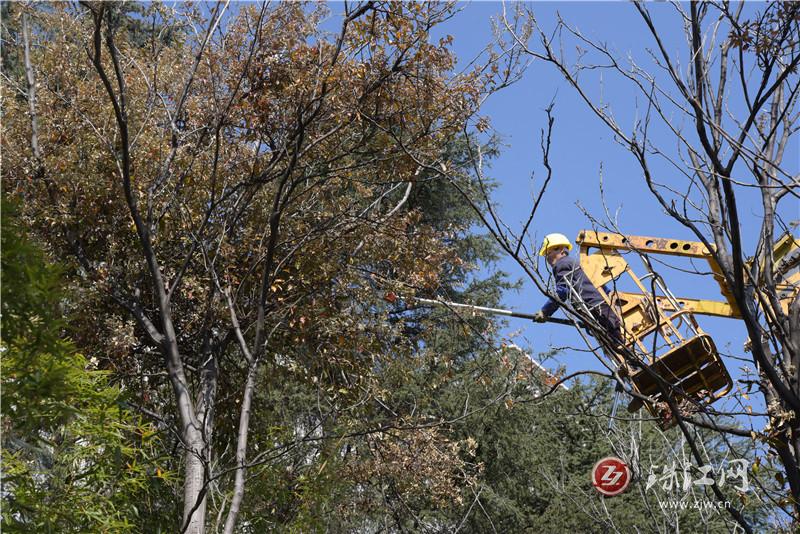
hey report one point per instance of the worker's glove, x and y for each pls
(539, 317)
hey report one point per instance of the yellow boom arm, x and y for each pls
(607, 264)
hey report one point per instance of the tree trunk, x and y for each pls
(194, 492)
(241, 450)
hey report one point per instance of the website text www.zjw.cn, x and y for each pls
(693, 504)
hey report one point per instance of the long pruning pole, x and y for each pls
(481, 309)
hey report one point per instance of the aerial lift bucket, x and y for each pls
(694, 373)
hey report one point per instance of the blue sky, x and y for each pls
(582, 146)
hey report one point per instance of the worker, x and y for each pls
(567, 272)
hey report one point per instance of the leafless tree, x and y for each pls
(729, 104)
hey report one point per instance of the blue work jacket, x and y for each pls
(567, 272)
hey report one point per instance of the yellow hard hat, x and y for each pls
(554, 240)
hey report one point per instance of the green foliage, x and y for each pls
(536, 453)
(10, 55)
(145, 24)
(74, 459)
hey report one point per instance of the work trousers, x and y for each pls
(609, 321)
